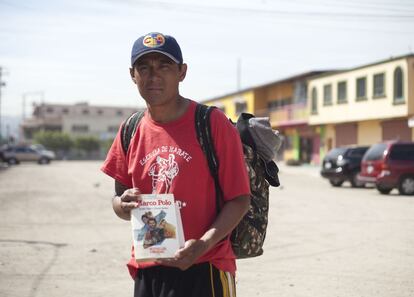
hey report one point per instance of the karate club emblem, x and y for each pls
(154, 40)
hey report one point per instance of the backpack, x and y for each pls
(248, 237)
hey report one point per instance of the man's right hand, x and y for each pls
(125, 200)
(129, 199)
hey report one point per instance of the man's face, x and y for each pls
(157, 78)
(152, 224)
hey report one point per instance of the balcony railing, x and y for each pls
(294, 114)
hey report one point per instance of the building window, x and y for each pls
(361, 88)
(241, 107)
(327, 94)
(314, 99)
(100, 111)
(119, 113)
(342, 92)
(273, 105)
(279, 104)
(379, 85)
(80, 128)
(398, 85)
(299, 92)
(49, 110)
(85, 111)
(65, 110)
(113, 129)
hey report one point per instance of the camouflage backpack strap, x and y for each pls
(202, 122)
(129, 128)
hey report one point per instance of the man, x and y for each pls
(164, 156)
(145, 217)
(154, 235)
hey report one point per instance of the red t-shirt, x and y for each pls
(167, 158)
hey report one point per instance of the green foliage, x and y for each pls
(106, 145)
(54, 140)
(69, 147)
(87, 143)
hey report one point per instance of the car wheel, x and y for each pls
(383, 190)
(355, 183)
(13, 161)
(336, 183)
(43, 161)
(406, 186)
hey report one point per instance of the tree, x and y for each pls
(54, 140)
(106, 145)
(87, 143)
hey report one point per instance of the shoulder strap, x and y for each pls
(129, 128)
(203, 129)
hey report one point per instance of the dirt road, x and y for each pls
(59, 237)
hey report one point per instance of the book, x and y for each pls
(157, 230)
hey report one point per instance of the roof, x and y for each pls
(391, 59)
(297, 77)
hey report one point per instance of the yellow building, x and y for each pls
(363, 105)
(285, 103)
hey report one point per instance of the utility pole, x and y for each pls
(40, 94)
(2, 84)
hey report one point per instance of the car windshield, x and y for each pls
(334, 153)
(38, 147)
(376, 152)
(357, 152)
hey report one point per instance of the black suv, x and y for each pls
(342, 164)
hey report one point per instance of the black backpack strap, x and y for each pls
(203, 129)
(129, 128)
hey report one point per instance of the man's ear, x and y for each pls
(183, 72)
(131, 72)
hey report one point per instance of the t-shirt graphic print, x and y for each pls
(163, 171)
(164, 168)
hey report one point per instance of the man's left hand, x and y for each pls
(186, 256)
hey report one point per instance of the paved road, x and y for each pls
(59, 237)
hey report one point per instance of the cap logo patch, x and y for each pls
(154, 40)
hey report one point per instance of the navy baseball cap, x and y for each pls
(158, 43)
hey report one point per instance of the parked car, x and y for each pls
(2, 154)
(389, 165)
(343, 164)
(17, 154)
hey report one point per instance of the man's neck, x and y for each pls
(168, 112)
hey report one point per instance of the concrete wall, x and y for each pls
(329, 134)
(369, 132)
(229, 103)
(98, 126)
(410, 76)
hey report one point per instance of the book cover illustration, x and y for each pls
(156, 227)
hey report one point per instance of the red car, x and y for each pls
(389, 165)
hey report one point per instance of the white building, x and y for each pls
(79, 119)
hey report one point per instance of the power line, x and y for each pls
(371, 4)
(357, 5)
(279, 13)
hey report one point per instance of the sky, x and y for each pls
(68, 51)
